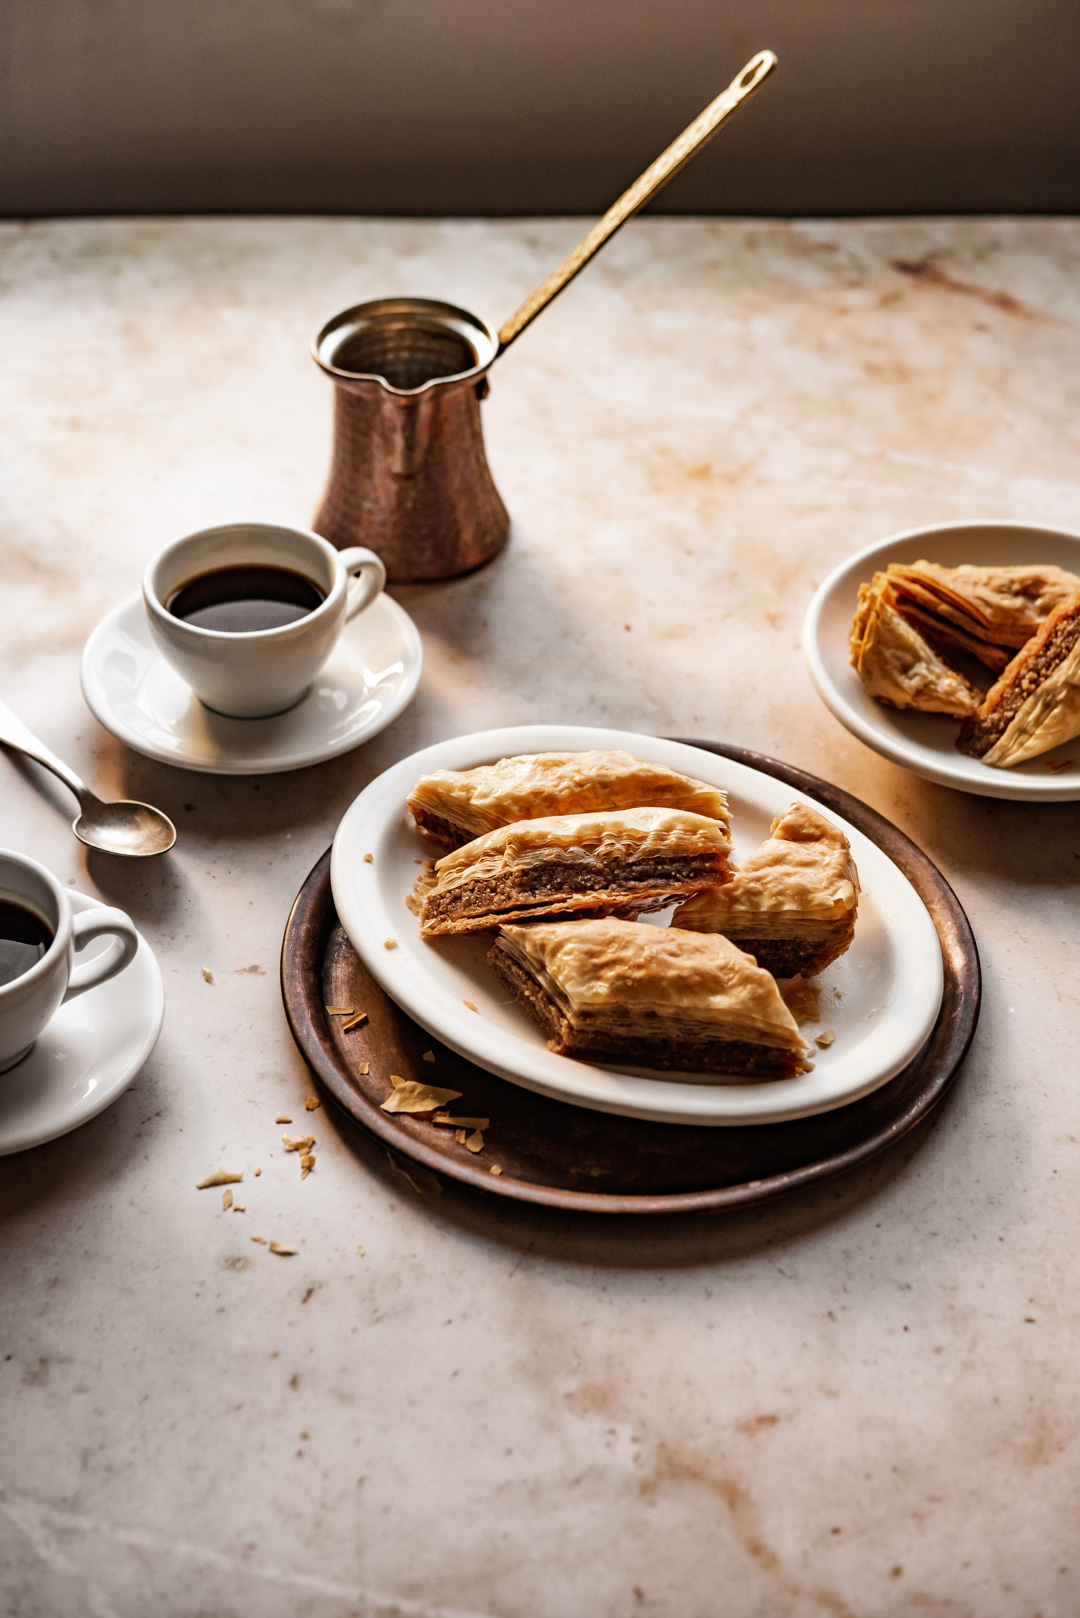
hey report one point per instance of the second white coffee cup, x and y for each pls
(28, 1001)
(255, 673)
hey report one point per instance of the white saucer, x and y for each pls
(89, 1053)
(889, 981)
(371, 675)
(922, 742)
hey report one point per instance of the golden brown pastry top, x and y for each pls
(535, 785)
(1003, 604)
(629, 973)
(803, 871)
(623, 835)
(897, 665)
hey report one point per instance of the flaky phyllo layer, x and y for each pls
(802, 878)
(457, 805)
(634, 980)
(621, 839)
(1000, 606)
(897, 664)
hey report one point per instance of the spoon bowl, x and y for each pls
(134, 829)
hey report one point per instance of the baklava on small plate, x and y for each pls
(926, 742)
(877, 1005)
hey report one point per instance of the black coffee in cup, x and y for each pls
(240, 600)
(24, 938)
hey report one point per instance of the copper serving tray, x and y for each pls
(567, 1157)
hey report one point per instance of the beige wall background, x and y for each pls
(533, 106)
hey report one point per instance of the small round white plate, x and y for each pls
(889, 983)
(370, 676)
(89, 1053)
(926, 743)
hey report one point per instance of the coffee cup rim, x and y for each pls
(62, 934)
(154, 603)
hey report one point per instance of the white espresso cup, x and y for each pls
(255, 673)
(29, 1001)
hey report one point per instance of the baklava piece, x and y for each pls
(988, 610)
(627, 861)
(454, 806)
(1035, 704)
(634, 995)
(792, 905)
(897, 664)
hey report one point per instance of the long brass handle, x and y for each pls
(655, 177)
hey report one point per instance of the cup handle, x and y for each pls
(369, 576)
(93, 924)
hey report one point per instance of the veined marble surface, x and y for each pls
(857, 1402)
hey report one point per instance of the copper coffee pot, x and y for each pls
(409, 476)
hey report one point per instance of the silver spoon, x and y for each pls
(117, 828)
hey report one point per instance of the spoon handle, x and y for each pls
(668, 164)
(13, 733)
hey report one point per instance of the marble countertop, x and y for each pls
(858, 1401)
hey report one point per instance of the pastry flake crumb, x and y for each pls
(428, 1056)
(338, 1011)
(409, 1095)
(838, 994)
(282, 1118)
(1062, 764)
(226, 1201)
(219, 1177)
(302, 1143)
(284, 1249)
(354, 1021)
(208, 976)
(422, 886)
(369, 859)
(461, 1123)
(469, 1005)
(459, 1136)
(801, 999)
(360, 1249)
(260, 1239)
(364, 1069)
(825, 1040)
(475, 1142)
(257, 1173)
(496, 1168)
(238, 1207)
(389, 943)
(307, 1163)
(312, 1103)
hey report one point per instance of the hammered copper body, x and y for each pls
(409, 476)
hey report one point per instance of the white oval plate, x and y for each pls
(889, 982)
(369, 677)
(926, 743)
(88, 1054)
